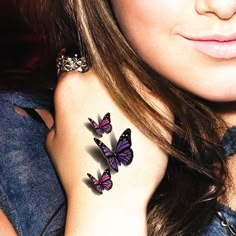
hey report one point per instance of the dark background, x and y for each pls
(23, 61)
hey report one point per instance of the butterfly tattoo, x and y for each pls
(102, 127)
(122, 154)
(104, 182)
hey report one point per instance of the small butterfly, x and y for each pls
(103, 183)
(122, 154)
(102, 127)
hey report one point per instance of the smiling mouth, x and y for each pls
(218, 46)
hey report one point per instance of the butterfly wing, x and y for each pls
(124, 153)
(105, 124)
(108, 154)
(96, 127)
(97, 184)
(106, 180)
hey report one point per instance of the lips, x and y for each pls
(216, 46)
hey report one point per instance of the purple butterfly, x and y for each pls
(102, 127)
(122, 154)
(103, 183)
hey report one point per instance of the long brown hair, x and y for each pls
(186, 199)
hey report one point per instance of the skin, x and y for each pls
(157, 30)
(69, 144)
(5, 226)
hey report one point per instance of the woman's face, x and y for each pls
(190, 42)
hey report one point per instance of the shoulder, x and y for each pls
(75, 88)
(85, 97)
(75, 82)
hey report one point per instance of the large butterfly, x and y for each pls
(103, 183)
(122, 154)
(102, 127)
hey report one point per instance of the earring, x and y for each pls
(70, 59)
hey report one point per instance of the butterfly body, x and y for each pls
(102, 127)
(122, 154)
(104, 183)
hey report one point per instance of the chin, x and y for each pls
(218, 95)
(212, 85)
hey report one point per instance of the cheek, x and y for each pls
(137, 18)
(149, 25)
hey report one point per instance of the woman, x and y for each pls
(164, 69)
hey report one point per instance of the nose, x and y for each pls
(223, 9)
